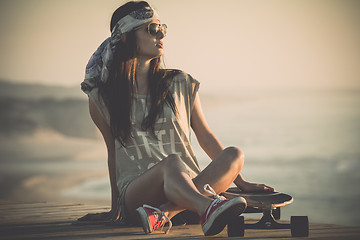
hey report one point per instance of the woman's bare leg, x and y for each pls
(167, 181)
(169, 187)
(220, 174)
(222, 171)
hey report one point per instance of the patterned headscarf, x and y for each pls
(97, 68)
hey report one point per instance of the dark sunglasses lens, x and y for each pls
(154, 28)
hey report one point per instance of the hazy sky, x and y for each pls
(224, 44)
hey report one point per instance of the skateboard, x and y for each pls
(269, 205)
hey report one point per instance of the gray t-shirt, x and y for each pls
(172, 132)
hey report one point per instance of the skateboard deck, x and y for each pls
(269, 204)
(260, 200)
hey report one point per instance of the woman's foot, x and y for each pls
(152, 219)
(220, 212)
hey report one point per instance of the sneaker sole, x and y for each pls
(144, 220)
(217, 222)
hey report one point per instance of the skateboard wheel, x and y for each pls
(299, 226)
(236, 227)
(276, 213)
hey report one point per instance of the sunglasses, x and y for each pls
(154, 28)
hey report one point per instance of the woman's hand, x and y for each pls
(255, 187)
(246, 186)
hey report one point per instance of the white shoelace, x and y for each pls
(158, 213)
(217, 198)
(210, 190)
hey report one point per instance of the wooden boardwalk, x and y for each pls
(54, 221)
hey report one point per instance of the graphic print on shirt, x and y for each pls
(144, 149)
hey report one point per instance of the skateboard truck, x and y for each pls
(267, 222)
(269, 205)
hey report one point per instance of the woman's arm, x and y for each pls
(110, 145)
(212, 146)
(206, 138)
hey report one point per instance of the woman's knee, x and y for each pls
(172, 162)
(235, 156)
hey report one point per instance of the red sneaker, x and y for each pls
(220, 212)
(152, 219)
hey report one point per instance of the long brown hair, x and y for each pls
(117, 93)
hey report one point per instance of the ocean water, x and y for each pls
(302, 142)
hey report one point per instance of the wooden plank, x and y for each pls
(54, 221)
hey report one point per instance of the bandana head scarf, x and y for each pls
(97, 68)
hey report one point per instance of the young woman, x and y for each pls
(144, 114)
